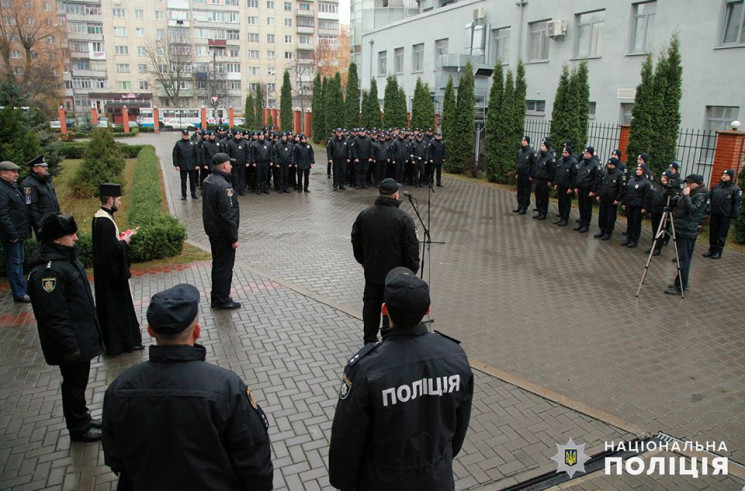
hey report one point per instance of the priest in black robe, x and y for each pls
(114, 306)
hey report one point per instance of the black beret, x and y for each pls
(173, 310)
(56, 225)
(388, 186)
(406, 296)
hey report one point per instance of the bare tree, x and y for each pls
(211, 85)
(32, 42)
(172, 64)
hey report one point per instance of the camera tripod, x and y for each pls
(667, 218)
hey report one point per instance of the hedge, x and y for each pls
(75, 150)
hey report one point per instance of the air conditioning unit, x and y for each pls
(556, 29)
(479, 13)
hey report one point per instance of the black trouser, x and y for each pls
(328, 169)
(685, 253)
(303, 175)
(607, 216)
(192, 175)
(203, 173)
(398, 170)
(429, 172)
(656, 219)
(340, 172)
(380, 168)
(250, 177)
(262, 176)
(361, 169)
(291, 177)
(438, 173)
(565, 203)
(634, 216)
(372, 301)
(585, 207)
(280, 176)
(524, 186)
(238, 172)
(74, 383)
(276, 179)
(223, 259)
(541, 196)
(718, 229)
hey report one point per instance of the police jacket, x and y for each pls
(690, 212)
(725, 199)
(638, 191)
(380, 150)
(402, 413)
(611, 185)
(543, 167)
(419, 151)
(587, 172)
(337, 149)
(361, 148)
(220, 212)
(657, 199)
(176, 422)
(304, 156)
(437, 152)
(238, 150)
(260, 152)
(14, 220)
(283, 153)
(525, 158)
(185, 155)
(400, 148)
(63, 305)
(41, 198)
(564, 172)
(210, 149)
(383, 237)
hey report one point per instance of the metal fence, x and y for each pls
(695, 149)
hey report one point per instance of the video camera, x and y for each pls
(672, 189)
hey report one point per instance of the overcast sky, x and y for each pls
(344, 12)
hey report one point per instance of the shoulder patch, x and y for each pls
(229, 192)
(346, 387)
(27, 190)
(447, 337)
(49, 284)
(362, 353)
(255, 406)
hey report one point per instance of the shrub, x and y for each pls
(102, 162)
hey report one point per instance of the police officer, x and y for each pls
(337, 152)
(657, 204)
(725, 206)
(525, 159)
(609, 192)
(69, 332)
(15, 228)
(399, 157)
(177, 422)
(404, 403)
(185, 161)
(362, 158)
(563, 184)
(542, 175)
(260, 157)
(284, 155)
(419, 156)
(304, 160)
(41, 198)
(437, 156)
(383, 237)
(237, 150)
(588, 170)
(221, 218)
(209, 148)
(636, 198)
(381, 157)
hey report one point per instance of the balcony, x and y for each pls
(328, 15)
(305, 13)
(306, 30)
(88, 73)
(307, 46)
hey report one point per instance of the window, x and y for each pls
(271, 55)
(288, 22)
(271, 87)
(141, 51)
(141, 68)
(382, 63)
(15, 54)
(121, 50)
(122, 67)
(538, 41)
(441, 50)
(270, 21)
(253, 20)
(626, 109)
(288, 55)
(398, 60)
(252, 4)
(253, 37)
(288, 38)
(124, 85)
(589, 34)
(271, 71)
(140, 32)
(253, 70)
(234, 85)
(329, 25)
(304, 39)
(270, 4)
(160, 15)
(593, 108)
(330, 8)
(143, 85)
(288, 6)
(234, 53)
(718, 118)
(233, 35)
(305, 22)
(253, 54)
(270, 38)
(272, 103)
(159, 34)
(642, 35)
(535, 107)
(120, 31)
(304, 6)
(501, 45)
(733, 28)
(120, 13)
(417, 58)
(253, 86)
(233, 67)
(139, 14)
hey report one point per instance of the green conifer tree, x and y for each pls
(352, 105)
(668, 120)
(390, 99)
(739, 232)
(504, 132)
(339, 111)
(561, 113)
(249, 112)
(491, 142)
(102, 162)
(259, 116)
(518, 113)
(448, 115)
(579, 107)
(285, 104)
(465, 126)
(642, 118)
(371, 107)
(318, 119)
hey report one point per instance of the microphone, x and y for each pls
(409, 195)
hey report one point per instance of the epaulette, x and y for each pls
(448, 337)
(362, 353)
(49, 265)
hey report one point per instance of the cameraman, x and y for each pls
(691, 210)
(658, 201)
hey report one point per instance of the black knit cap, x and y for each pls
(406, 296)
(173, 310)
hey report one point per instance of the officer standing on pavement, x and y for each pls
(588, 171)
(337, 152)
(69, 332)
(15, 228)
(725, 206)
(260, 157)
(221, 218)
(563, 184)
(41, 198)
(525, 159)
(437, 156)
(304, 159)
(404, 403)
(284, 155)
(185, 161)
(609, 191)
(177, 422)
(542, 175)
(383, 237)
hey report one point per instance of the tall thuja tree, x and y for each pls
(390, 100)
(259, 116)
(518, 112)
(339, 114)
(465, 126)
(491, 143)
(317, 107)
(331, 111)
(285, 104)
(448, 116)
(579, 106)
(249, 111)
(668, 116)
(352, 105)
(418, 118)
(642, 130)
(371, 107)
(504, 132)
(561, 114)
(739, 233)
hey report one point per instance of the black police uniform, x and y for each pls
(337, 151)
(543, 174)
(185, 158)
(304, 158)
(237, 149)
(260, 156)
(284, 157)
(725, 206)
(400, 156)
(15, 228)
(418, 155)
(437, 155)
(177, 422)
(688, 214)
(221, 218)
(609, 188)
(525, 159)
(69, 332)
(210, 148)
(564, 180)
(656, 207)
(381, 156)
(635, 198)
(41, 198)
(362, 157)
(383, 237)
(588, 170)
(402, 414)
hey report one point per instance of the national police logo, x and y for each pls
(27, 191)
(48, 284)
(346, 387)
(251, 398)
(570, 458)
(230, 192)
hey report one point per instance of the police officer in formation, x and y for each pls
(437, 157)
(588, 171)
(41, 198)
(237, 150)
(404, 403)
(283, 158)
(15, 228)
(361, 157)
(635, 201)
(542, 175)
(304, 161)
(726, 198)
(337, 152)
(260, 158)
(186, 161)
(525, 160)
(609, 193)
(564, 174)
